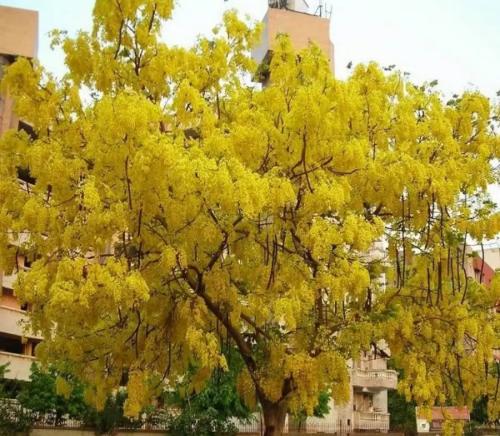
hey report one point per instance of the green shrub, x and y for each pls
(111, 418)
(14, 418)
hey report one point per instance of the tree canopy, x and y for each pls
(177, 207)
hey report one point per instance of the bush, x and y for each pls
(14, 418)
(41, 396)
(208, 422)
(320, 410)
(108, 420)
(402, 412)
(213, 409)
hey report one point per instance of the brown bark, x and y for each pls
(274, 417)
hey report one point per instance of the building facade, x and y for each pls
(18, 37)
(433, 421)
(302, 25)
(482, 266)
(367, 409)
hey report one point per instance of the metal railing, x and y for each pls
(256, 425)
(51, 420)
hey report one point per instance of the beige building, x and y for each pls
(435, 422)
(491, 255)
(366, 411)
(18, 37)
(302, 24)
(367, 408)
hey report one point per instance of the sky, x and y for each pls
(456, 42)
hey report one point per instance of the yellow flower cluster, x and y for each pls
(177, 210)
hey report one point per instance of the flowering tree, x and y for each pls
(175, 208)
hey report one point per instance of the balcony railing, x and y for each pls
(18, 239)
(12, 320)
(8, 281)
(375, 378)
(19, 365)
(371, 421)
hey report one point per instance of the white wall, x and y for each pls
(260, 51)
(380, 401)
(423, 426)
(298, 5)
(491, 256)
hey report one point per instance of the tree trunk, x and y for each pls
(274, 417)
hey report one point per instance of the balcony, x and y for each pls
(371, 421)
(374, 378)
(19, 365)
(8, 281)
(19, 239)
(11, 322)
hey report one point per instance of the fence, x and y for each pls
(318, 426)
(51, 420)
(327, 426)
(256, 425)
(157, 423)
(67, 423)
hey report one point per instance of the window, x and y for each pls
(7, 292)
(27, 262)
(25, 127)
(25, 175)
(11, 345)
(33, 348)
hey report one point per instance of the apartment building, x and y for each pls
(302, 22)
(367, 409)
(18, 37)
(482, 266)
(484, 262)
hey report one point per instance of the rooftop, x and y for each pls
(18, 32)
(443, 413)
